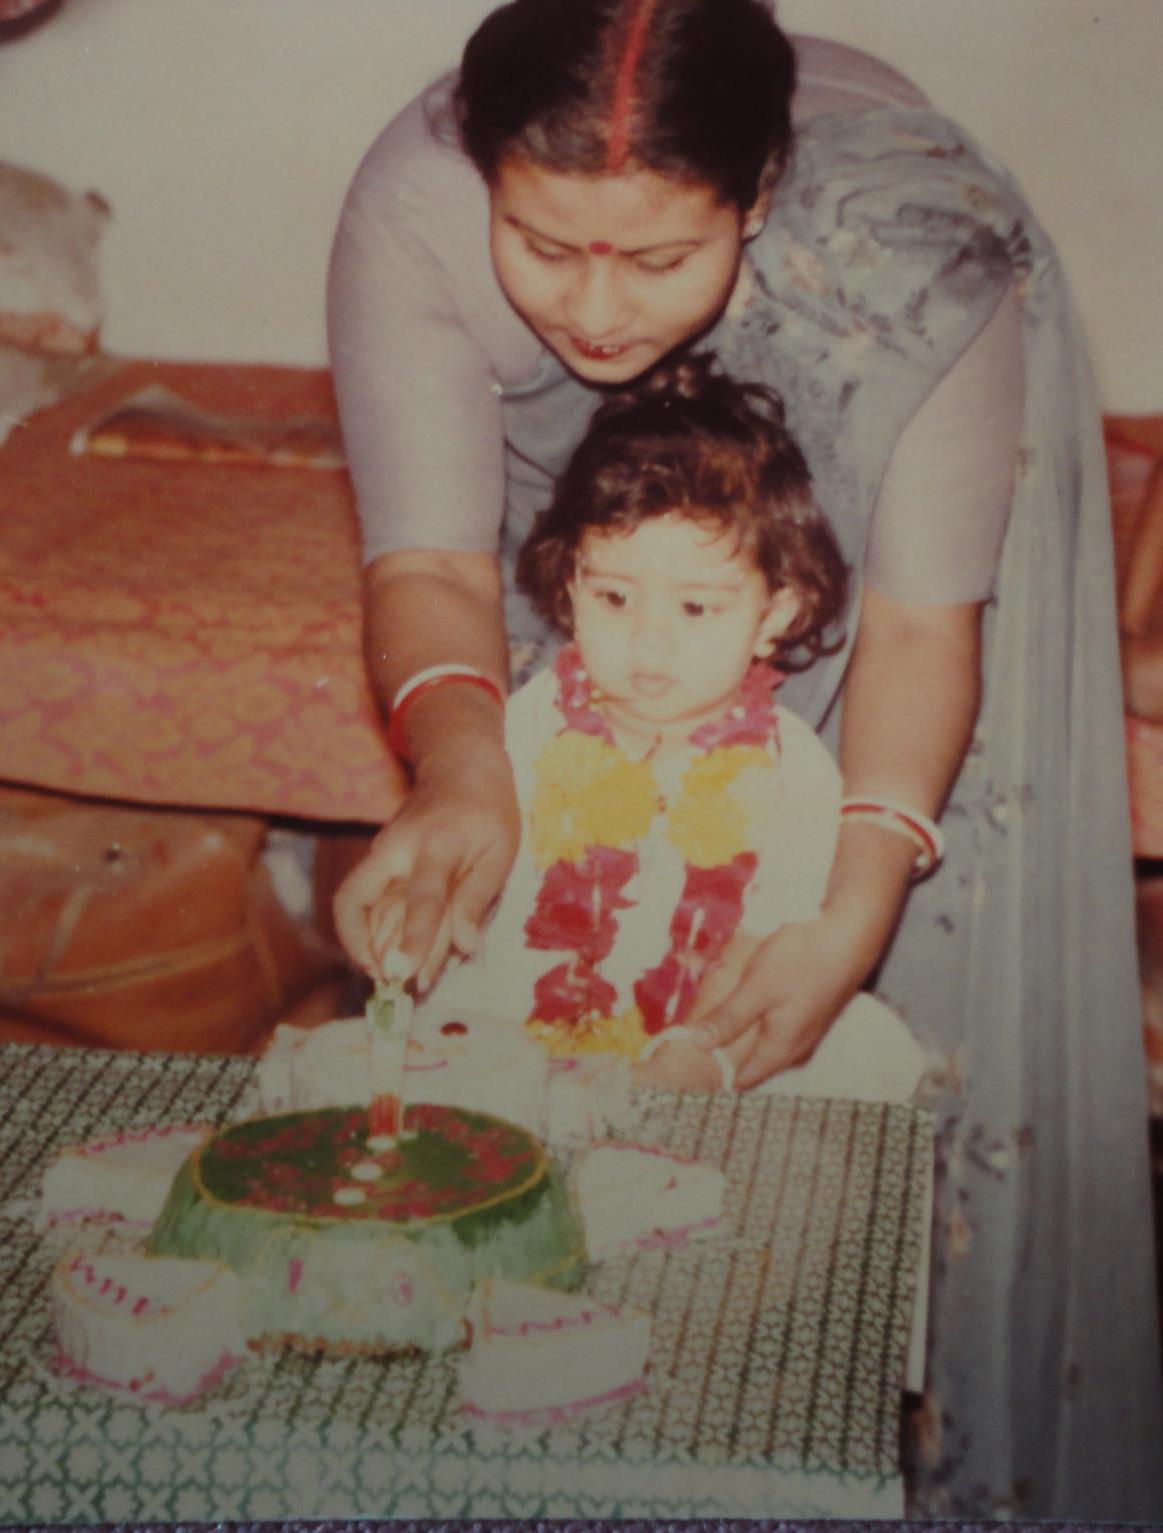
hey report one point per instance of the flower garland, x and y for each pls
(592, 806)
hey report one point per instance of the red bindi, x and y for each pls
(600, 247)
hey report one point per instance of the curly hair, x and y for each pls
(689, 440)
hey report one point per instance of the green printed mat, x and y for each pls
(777, 1349)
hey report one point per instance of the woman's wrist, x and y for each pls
(902, 819)
(871, 875)
(410, 695)
(451, 729)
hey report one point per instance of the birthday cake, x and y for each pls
(359, 1245)
(376, 1222)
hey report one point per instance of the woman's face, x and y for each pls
(611, 272)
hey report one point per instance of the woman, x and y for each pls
(609, 181)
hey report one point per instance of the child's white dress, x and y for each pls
(634, 879)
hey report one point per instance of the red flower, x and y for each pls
(576, 903)
(756, 720)
(704, 921)
(567, 993)
(655, 994)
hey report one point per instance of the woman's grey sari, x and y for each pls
(891, 242)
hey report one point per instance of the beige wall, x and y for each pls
(223, 132)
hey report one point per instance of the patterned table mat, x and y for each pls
(777, 1351)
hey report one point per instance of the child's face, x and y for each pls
(668, 618)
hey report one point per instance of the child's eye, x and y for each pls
(616, 599)
(699, 609)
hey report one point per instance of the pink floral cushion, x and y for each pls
(186, 633)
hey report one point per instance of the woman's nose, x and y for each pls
(597, 307)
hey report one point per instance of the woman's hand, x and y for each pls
(784, 999)
(678, 1065)
(433, 872)
(427, 883)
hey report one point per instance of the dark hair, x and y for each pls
(688, 439)
(698, 91)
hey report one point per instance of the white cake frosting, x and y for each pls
(467, 1060)
(533, 1351)
(163, 1329)
(455, 1062)
(588, 1097)
(123, 1176)
(632, 1198)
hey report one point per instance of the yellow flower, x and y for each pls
(723, 792)
(588, 794)
(624, 1033)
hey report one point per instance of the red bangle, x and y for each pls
(918, 827)
(408, 694)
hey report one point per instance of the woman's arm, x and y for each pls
(419, 336)
(910, 703)
(431, 874)
(910, 695)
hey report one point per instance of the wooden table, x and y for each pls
(777, 1351)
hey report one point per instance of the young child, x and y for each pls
(672, 814)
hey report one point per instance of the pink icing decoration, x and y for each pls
(650, 1149)
(660, 1240)
(557, 1415)
(209, 1379)
(294, 1274)
(562, 1323)
(97, 1216)
(138, 1136)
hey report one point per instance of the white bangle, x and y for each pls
(726, 1069)
(673, 1035)
(904, 820)
(424, 681)
(435, 673)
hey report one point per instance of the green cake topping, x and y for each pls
(319, 1166)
